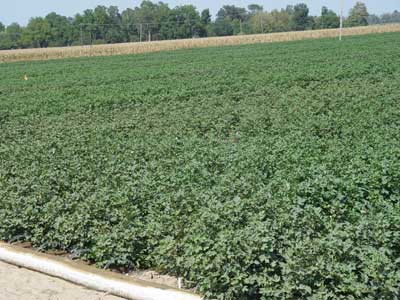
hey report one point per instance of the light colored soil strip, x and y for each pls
(23, 284)
(90, 277)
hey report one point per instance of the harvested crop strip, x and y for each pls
(157, 46)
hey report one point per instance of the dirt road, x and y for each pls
(22, 284)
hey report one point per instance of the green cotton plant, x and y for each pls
(257, 172)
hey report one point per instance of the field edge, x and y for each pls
(170, 45)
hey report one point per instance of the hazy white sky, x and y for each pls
(21, 10)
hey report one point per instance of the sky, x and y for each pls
(22, 10)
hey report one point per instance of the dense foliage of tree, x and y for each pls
(328, 19)
(157, 21)
(358, 15)
(254, 8)
(393, 17)
(274, 21)
(206, 17)
(230, 20)
(11, 37)
(299, 17)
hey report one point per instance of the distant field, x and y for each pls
(267, 171)
(135, 48)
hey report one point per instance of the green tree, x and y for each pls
(183, 22)
(84, 25)
(258, 21)
(37, 33)
(358, 15)
(114, 32)
(390, 17)
(151, 16)
(3, 40)
(129, 27)
(289, 9)
(232, 12)
(222, 27)
(207, 23)
(12, 36)
(299, 16)
(374, 19)
(102, 24)
(61, 30)
(255, 8)
(267, 22)
(328, 19)
(230, 19)
(206, 17)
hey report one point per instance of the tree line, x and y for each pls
(157, 21)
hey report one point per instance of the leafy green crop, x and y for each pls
(257, 172)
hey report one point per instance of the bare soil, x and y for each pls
(22, 284)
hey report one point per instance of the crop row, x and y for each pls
(254, 172)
